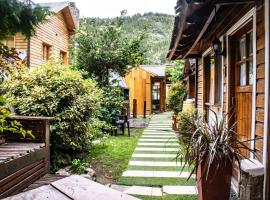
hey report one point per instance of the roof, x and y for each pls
(156, 70)
(198, 23)
(117, 81)
(69, 10)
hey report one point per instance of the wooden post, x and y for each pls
(144, 109)
(134, 108)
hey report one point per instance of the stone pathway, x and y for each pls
(153, 169)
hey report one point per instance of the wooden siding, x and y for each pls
(139, 84)
(200, 86)
(259, 127)
(54, 32)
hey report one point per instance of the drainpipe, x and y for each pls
(266, 106)
(196, 84)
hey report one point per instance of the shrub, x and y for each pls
(58, 91)
(78, 167)
(111, 104)
(186, 126)
(177, 94)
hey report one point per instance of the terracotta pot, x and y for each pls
(218, 183)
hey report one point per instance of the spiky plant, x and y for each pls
(213, 143)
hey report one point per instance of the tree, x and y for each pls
(174, 74)
(20, 16)
(104, 49)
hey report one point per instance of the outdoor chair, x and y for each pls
(122, 121)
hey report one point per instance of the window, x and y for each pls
(46, 52)
(244, 59)
(9, 42)
(213, 79)
(63, 57)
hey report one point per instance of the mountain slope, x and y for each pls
(155, 27)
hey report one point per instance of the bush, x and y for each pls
(177, 94)
(78, 167)
(58, 91)
(186, 126)
(111, 104)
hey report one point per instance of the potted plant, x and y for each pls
(211, 151)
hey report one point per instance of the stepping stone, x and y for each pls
(157, 136)
(155, 163)
(136, 155)
(156, 149)
(166, 144)
(159, 131)
(158, 140)
(141, 190)
(180, 190)
(160, 174)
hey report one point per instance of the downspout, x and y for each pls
(28, 52)
(196, 84)
(266, 161)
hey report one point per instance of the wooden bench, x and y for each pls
(24, 160)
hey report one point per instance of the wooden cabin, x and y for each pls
(52, 38)
(229, 40)
(147, 89)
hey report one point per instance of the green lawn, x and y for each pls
(111, 156)
(168, 197)
(154, 181)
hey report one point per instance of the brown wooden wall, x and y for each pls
(259, 125)
(200, 86)
(259, 128)
(54, 32)
(139, 84)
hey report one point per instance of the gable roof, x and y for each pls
(156, 70)
(68, 10)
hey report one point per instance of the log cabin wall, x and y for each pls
(53, 33)
(260, 49)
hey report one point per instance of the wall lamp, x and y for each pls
(217, 47)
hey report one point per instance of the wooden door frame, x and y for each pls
(249, 16)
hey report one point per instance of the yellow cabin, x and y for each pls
(147, 89)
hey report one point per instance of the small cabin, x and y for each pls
(52, 38)
(147, 89)
(229, 42)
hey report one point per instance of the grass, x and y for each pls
(168, 197)
(157, 168)
(145, 181)
(111, 156)
(155, 152)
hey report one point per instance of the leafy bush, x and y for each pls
(186, 126)
(111, 104)
(177, 94)
(98, 128)
(78, 166)
(58, 91)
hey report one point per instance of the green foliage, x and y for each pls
(10, 126)
(175, 73)
(77, 166)
(111, 104)
(186, 126)
(57, 91)
(20, 16)
(103, 50)
(177, 94)
(156, 29)
(99, 128)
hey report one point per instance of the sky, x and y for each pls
(112, 8)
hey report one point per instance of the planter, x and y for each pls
(218, 183)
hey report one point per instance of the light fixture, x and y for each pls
(217, 47)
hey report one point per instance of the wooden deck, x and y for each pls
(73, 187)
(24, 160)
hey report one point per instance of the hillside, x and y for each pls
(155, 27)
